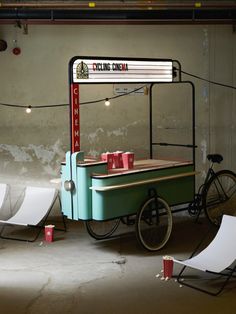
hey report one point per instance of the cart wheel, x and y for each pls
(102, 229)
(154, 224)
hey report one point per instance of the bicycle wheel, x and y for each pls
(219, 196)
(153, 224)
(102, 229)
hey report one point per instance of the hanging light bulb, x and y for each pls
(28, 109)
(107, 102)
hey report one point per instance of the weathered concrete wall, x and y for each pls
(33, 145)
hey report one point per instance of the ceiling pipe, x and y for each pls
(66, 15)
(117, 22)
(121, 5)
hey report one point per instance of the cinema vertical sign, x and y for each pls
(98, 70)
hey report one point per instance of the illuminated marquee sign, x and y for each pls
(86, 70)
(120, 71)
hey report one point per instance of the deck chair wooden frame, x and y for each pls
(33, 212)
(218, 258)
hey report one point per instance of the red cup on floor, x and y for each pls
(49, 233)
(128, 160)
(109, 158)
(118, 161)
(168, 265)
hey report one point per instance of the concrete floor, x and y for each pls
(76, 274)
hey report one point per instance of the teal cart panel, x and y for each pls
(77, 204)
(66, 204)
(84, 193)
(108, 204)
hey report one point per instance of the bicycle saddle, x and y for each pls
(215, 158)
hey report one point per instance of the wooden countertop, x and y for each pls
(144, 165)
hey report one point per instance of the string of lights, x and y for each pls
(107, 99)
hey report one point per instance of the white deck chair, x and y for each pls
(34, 210)
(217, 257)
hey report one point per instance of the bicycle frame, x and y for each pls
(197, 202)
(220, 195)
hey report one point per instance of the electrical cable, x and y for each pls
(114, 97)
(65, 105)
(35, 107)
(209, 81)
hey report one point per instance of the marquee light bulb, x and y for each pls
(28, 110)
(107, 102)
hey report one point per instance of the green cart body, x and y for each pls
(102, 195)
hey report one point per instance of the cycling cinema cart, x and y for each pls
(142, 195)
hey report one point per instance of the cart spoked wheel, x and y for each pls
(102, 229)
(154, 224)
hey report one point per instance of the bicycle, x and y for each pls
(217, 195)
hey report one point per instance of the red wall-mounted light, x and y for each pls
(16, 51)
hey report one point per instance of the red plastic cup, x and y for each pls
(168, 265)
(49, 233)
(118, 161)
(128, 160)
(109, 158)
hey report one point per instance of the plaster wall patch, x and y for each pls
(123, 131)
(93, 153)
(204, 150)
(43, 154)
(18, 153)
(118, 132)
(92, 137)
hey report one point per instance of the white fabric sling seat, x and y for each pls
(3, 193)
(35, 208)
(218, 256)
